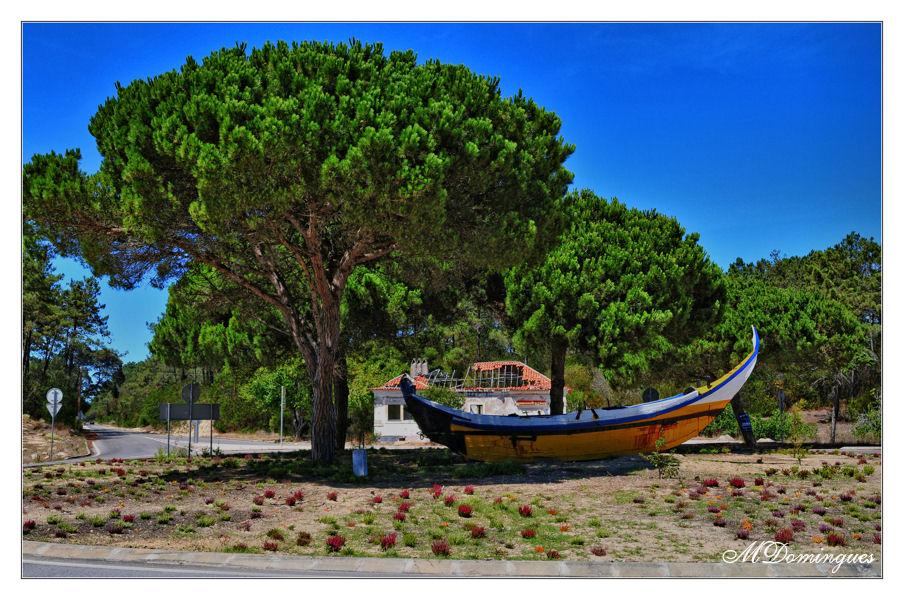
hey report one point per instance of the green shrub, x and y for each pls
(724, 424)
(206, 521)
(443, 396)
(869, 423)
(64, 526)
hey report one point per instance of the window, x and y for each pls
(477, 409)
(397, 412)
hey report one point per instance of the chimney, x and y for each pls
(418, 367)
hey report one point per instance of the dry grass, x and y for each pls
(579, 509)
(36, 442)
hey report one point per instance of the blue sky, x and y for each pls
(757, 136)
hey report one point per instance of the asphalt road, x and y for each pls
(37, 567)
(121, 443)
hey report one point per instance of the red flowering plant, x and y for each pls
(465, 511)
(334, 543)
(525, 511)
(784, 535)
(441, 548)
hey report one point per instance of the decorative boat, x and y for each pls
(581, 435)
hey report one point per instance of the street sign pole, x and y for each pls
(282, 407)
(52, 430)
(191, 393)
(189, 422)
(54, 402)
(167, 429)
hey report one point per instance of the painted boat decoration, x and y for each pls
(582, 435)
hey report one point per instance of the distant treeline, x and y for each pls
(819, 317)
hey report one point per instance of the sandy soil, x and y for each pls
(36, 442)
(617, 505)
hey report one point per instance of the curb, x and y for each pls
(402, 567)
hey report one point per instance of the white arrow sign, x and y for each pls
(54, 401)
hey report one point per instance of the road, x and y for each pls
(123, 443)
(37, 567)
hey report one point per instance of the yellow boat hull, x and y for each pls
(683, 425)
(581, 435)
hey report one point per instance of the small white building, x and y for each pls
(504, 387)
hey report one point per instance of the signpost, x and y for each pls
(190, 394)
(780, 384)
(282, 407)
(54, 402)
(192, 412)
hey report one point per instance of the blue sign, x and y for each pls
(744, 419)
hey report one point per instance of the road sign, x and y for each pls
(191, 392)
(650, 395)
(179, 412)
(54, 402)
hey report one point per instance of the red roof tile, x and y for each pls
(532, 379)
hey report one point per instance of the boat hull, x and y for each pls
(588, 435)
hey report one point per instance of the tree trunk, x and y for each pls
(737, 407)
(26, 359)
(298, 422)
(557, 375)
(68, 353)
(340, 394)
(47, 356)
(323, 420)
(834, 414)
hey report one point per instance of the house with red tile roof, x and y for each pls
(504, 387)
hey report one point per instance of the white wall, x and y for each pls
(383, 427)
(493, 405)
